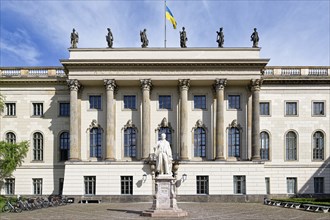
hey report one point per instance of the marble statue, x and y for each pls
(74, 38)
(109, 38)
(144, 39)
(183, 38)
(163, 155)
(255, 38)
(220, 38)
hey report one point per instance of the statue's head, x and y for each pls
(183, 28)
(163, 135)
(221, 29)
(108, 29)
(255, 29)
(73, 30)
(145, 30)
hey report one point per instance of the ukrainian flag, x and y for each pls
(170, 17)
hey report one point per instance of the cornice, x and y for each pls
(29, 80)
(296, 80)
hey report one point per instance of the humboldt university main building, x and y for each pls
(238, 129)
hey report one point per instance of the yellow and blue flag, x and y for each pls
(170, 17)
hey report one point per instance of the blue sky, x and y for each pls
(37, 32)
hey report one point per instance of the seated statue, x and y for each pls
(163, 155)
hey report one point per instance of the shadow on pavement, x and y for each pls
(126, 211)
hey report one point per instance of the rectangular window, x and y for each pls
(291, 183)
(60, 186)
(95, 102)
(126, 185)
(267, 181)
(38, 109)
(10, 186)
(129, 102)
(318, 109)
(64, 109)
(164, 102)
(37, 186)
(291, 108)
(10, 109)
(90, 185)
(318, 184)
(234, 102)
(264, 108)
(239, 185)
(199, 102)
(202, 183)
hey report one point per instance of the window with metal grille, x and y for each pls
(10, 109)
(239, 185)
(318, 184)
(126, 185)
(202, 183)
(37, 186)
(90, 185)
(10, 186)
(38, 109)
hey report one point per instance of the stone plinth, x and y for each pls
(164, 203)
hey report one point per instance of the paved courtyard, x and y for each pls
(195, 211)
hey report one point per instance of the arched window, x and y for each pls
(38, 146)
(64, 146)
(167, 131)
(130, 142)
(11, 137)
(200, 142)
(291, 146)
(96, 142)
(234, 142)
(264, 150)
(318, 146)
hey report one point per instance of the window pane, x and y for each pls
(164, 102)
(233, 142)
(291, 108)
(64, 109)
(95, 102)
(200, 102)
(130, 102)
(95, 142)
(234, 102)
(130, 142)
(264, 108)
(200, 142)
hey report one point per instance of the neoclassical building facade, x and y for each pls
(236, 126)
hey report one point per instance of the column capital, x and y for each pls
(73, 84)
(110, 84)
(255, 84)
(219, 84)
(184, 84)
(146, 84)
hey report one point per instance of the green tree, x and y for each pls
(2, 102)
(11, 156)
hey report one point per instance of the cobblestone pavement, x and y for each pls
(209, 211)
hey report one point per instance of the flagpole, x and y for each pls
(165, 22)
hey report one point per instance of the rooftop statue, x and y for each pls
(220, 38)
(183, 38)
(109, 38)
(255, 38)
(144, 39)
(163, 155)
(74, 38)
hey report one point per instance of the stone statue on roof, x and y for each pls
(220, 38)
(183, 38)
(74, 38)
(144, 39)
(255, 38)
(109, 38)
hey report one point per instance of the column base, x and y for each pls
(110, 159)
(184, 158)
(220, 158)
(256, 158)
(74, 160)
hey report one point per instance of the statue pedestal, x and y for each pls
(164, 203)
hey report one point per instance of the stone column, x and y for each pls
(219, 87)
(110, 86)
(74, 86)
(184, 87)
(146, 87)
(255, 89)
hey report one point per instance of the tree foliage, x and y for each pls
(2, 102)
(11, 156)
